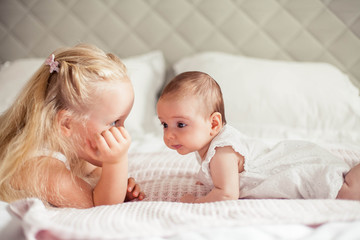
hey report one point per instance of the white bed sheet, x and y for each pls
(345, 230)
(165, 176)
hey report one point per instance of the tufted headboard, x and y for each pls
(298, 30)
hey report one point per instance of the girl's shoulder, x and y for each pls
(53, 155)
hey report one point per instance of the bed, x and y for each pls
(288, 70)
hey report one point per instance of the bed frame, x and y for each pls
(296, 30)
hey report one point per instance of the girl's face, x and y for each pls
(110, 109)
(186, 129)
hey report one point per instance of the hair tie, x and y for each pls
(53, 64)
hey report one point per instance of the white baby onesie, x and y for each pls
(291, 169)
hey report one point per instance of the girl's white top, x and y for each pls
(291, 169)
(57, 155)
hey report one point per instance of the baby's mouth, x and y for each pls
(176, 147)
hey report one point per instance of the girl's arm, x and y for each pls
(133, 189)
(112, 148)
(224, 170)
(64, 190)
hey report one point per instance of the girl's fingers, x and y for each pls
(141, 196)
(136, 190)
(102, 140)
(131, 184)
(124, 133)
(112, 137)
(117, 134)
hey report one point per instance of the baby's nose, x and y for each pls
(169, 134)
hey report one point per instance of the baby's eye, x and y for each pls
(181, 125)
(164, 125)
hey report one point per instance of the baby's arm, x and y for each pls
(224, 170)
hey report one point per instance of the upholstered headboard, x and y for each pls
(299, 30)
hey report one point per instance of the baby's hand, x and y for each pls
(187, 198)
(133, 191)
(112, 145)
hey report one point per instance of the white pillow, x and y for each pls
(147, 73)
(278, 99)
(13, 76)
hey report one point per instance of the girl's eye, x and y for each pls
(164, 125)
(181, 125)
(115, 123)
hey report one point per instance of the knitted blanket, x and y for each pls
(165, 176)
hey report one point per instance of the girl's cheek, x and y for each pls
(92, 143)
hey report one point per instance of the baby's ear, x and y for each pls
(64, 122)
(216, 123)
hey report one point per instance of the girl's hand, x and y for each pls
(187, 198)
(133, 191)
(112, 145)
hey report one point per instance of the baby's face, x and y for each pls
(110, 109)
(186, 128)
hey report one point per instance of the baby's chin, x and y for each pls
(183, 152)
(180, 149)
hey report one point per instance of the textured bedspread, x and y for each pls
(165, 176)
(167, 219)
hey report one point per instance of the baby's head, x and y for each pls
(191, 110)
(199, 85)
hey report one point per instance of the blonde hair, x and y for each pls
(197, 84)
(30, 125)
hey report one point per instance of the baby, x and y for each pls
(191, 110)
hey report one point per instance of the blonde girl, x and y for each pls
(63, 140)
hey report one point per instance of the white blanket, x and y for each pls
(168, 219)
(165, 176)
